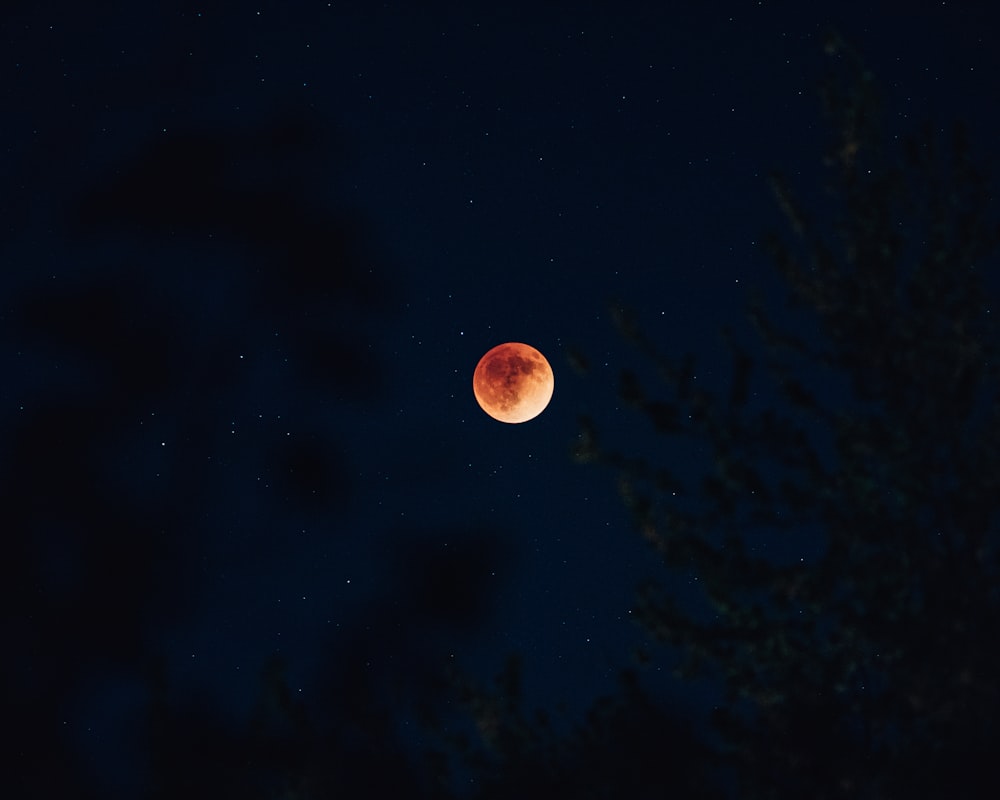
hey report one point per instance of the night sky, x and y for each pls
(251, 254)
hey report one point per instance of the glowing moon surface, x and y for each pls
(513, 382)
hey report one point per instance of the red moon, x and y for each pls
(513, 382)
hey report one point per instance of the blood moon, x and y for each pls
(513, 382)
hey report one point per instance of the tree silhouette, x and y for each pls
(121, 475)
(867, 665)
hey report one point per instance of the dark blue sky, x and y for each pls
(251, 255)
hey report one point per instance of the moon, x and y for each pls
(513, 382)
